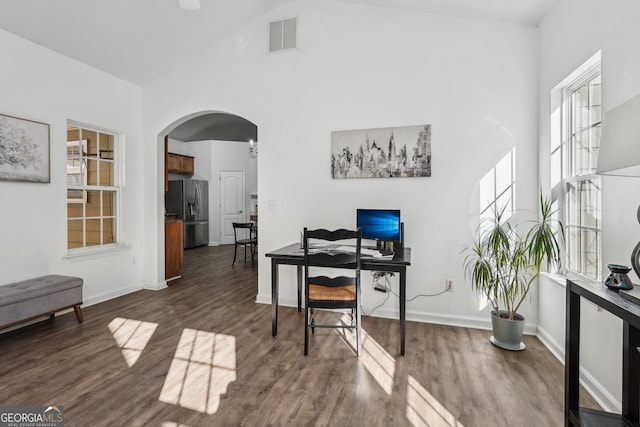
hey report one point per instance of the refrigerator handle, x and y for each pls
(197, 198)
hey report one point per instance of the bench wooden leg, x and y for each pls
(78, 311)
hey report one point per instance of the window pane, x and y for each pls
(589, 205)
(590, 248)
(585, 129)
(108, 203)
(572, 248)
(93, 232)
(92, 142)
(92, 172)
(572, 205)
(75, 233)
(581, 153)
(93, 204)
(108, 230)
(594, 145)
(106, 146)
(75, 207)
(106, 173)
(596, 101)
(73, 133)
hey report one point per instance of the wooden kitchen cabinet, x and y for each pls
(173, 248)
(179, 163)
(188, 165)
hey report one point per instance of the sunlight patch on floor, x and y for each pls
(380, 364)
(131, 336)
(203, 366)
(424, 410)
(172, 424)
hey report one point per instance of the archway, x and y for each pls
(200, 129)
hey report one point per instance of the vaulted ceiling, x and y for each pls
(138, 40)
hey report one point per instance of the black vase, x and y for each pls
(618, 278)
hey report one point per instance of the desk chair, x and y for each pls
(331, 292)
(252, 241)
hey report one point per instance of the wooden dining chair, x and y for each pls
(251, 241)
(332, 293)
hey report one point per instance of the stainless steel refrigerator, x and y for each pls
(189, 199)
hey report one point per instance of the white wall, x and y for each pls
(359, 67)
(569, 35)
(212, 157)
(41, 85)
(230, 156)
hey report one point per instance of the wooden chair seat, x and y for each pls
(328, 293)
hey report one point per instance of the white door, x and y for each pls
(232, 203)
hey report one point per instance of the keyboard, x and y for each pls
(363, 251)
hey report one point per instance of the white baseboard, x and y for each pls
(263, 299)
(413, 316)
(599, 393)
(154, 286)
(590, 384)
(554, 347)
(113, 294)
(214, 243)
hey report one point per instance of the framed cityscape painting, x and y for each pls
(396, 152)
(24, 150)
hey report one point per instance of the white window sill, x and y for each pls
(557, 278)
(82, 254)
(561, 278)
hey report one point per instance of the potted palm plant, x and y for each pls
(503, 264)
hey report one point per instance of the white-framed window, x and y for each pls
(93, 191)
(576, 186)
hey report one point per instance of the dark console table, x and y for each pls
(630, 314)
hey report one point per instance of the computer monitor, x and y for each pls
(379, 224)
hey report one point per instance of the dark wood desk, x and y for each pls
(630, 315)
(293, 255)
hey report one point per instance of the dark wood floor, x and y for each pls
(200, 353)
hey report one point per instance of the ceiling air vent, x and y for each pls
(283, 35)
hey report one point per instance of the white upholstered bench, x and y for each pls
(42, 296)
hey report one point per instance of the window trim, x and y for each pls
(87, 252)
(560, 189)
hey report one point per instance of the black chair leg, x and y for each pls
(235, 251)
(252, 251)
(306, 331)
